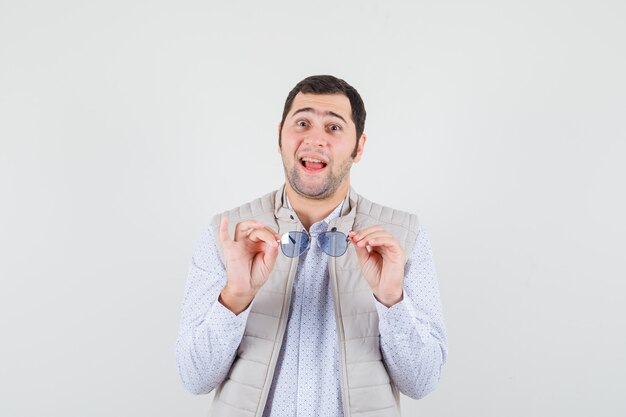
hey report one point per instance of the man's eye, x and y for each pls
(301, 123)
(335, 128)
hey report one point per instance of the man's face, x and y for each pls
(318, 138)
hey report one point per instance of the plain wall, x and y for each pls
(126, 125)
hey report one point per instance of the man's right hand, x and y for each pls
(250, 257)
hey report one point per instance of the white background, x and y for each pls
(125, 125)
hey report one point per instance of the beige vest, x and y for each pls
(367, 390)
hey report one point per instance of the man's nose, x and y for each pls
(316, 137)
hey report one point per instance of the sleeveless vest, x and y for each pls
(366, 388)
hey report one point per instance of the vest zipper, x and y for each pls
(293, 267)
(341, 337)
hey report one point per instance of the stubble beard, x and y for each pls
(323, 190)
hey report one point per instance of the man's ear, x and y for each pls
(359, 148)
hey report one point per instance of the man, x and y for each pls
(312, 300)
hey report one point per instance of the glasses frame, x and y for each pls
(310, 238)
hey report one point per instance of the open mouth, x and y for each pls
(312, 164)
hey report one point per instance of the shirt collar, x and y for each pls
(333, 215)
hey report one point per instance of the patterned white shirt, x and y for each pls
(306, 381)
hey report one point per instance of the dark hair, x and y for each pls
(327, 84)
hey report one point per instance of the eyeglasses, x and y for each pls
(333, 243)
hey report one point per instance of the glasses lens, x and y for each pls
(333, 243)
(293, 244)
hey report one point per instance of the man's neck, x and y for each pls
(311, 210)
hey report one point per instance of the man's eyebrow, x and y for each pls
(326, 113)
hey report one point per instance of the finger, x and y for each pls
(263, 235)
(383, 243)
(362, 240)
(366, 230)
(224, 230)
(243, 229)
(382, 234)
(357, 235)
(273, 232)
(362, 254)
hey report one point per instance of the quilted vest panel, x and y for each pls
(367, 389)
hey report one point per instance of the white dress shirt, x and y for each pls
(306, 381)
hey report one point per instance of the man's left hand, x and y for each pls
(382, 265)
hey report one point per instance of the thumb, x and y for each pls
(270, 254)
(362, 253)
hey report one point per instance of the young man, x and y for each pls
(312, 300)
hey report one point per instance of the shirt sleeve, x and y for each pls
(209, 333)
(412, 334)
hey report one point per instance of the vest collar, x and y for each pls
(343, 223)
